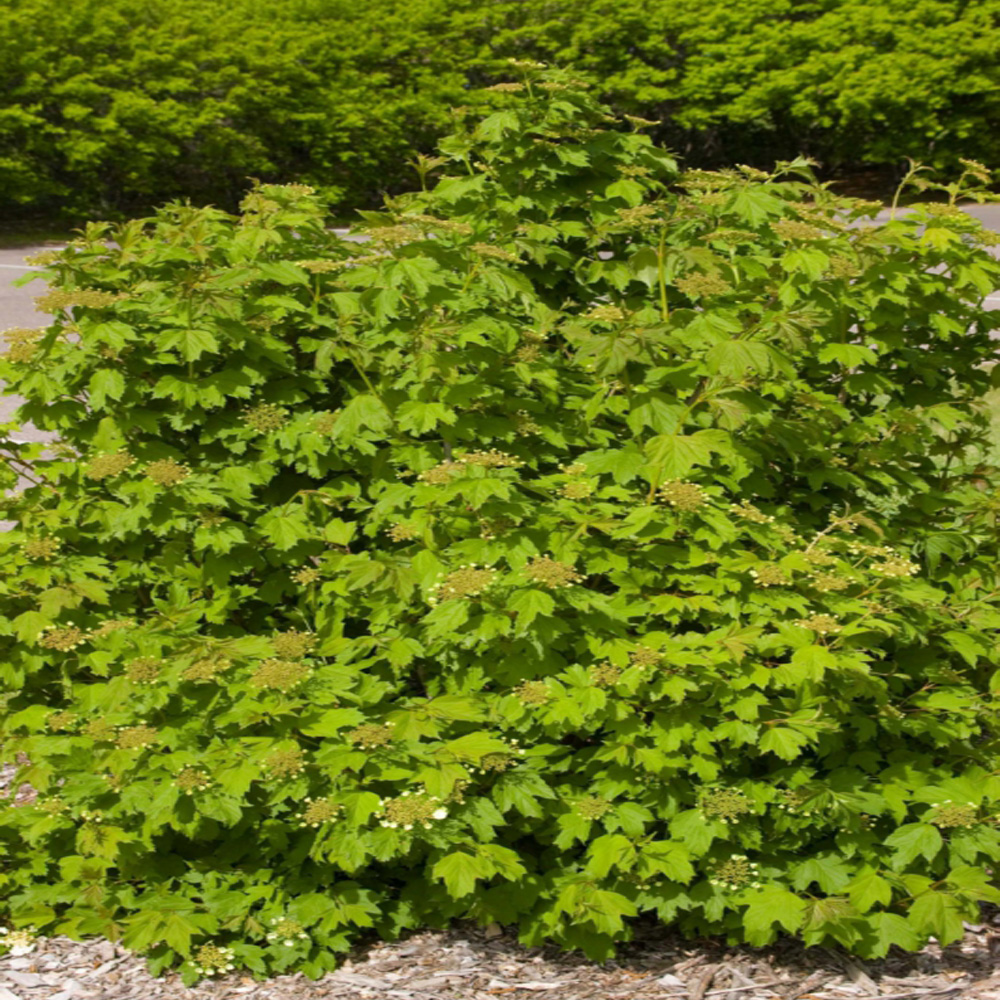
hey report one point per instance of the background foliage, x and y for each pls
(110, 106)
(598, 540)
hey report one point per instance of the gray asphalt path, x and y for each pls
(17, 307)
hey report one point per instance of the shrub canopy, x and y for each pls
(109, 106)
(599, 539)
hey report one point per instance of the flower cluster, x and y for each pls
(749, 512)
(280, 675)
(604, 674)
(552, 573)
(769, 575)
(682, 496)
(111, 625)
(442, 473)
(532, 692)
(21, 941)
(41, 548)
(286, 763)
(645, 656)
(703, 285)
(265, 417)
(99, 729)
(593, 807)
(951, 814)
(895, 566)
(393, 235)
(492, 459)
(819, 623)
(62, 637)
(213, 960)
(639, 216)
(497, 253)
(21, 344)
(286, 931)
(725, 804)
(605, 314)
(731, 237)
(137, 737)
(400, 532)
(192, 779)
(206, 669)
(371, 735)
(505, 88)
(293, 644)
(579, 490)
(736, 873)
(828, 582)
(498, 760)
(525, 425)
(144, 670)
(818, 557)
(325, 422)
(466, 581)
(108, 466)
(307, 575)
(842, 267)
(167, 472)
(319, 811)
(89, 298)
(60, 720)
(792, 229)
(407, 810)
(792, 800)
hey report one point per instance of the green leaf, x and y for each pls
(888, 929)
(190, 344)
(783, 741)
(940, 914)
(460, 871)
(529, 604)
(829, 873)
(913, 840)
(868, 888)
(423, 417)
(848, 355)
(364, 412)
(769, 907)
(737, 357)
(755, 204)
(674, 455)
(283, 530)
(105, 383)
(612, 850)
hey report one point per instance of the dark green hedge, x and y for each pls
(108, 106)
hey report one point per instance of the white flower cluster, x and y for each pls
(408, 810)
(18, 942)
(286, 931)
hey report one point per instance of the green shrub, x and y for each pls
(109, 106)
(475, 573)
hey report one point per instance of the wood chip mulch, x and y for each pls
(472, 963)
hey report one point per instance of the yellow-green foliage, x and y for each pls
(598, 540)
(107, 106)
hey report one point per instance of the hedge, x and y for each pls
(110, 107)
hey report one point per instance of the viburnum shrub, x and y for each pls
(596, 540)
